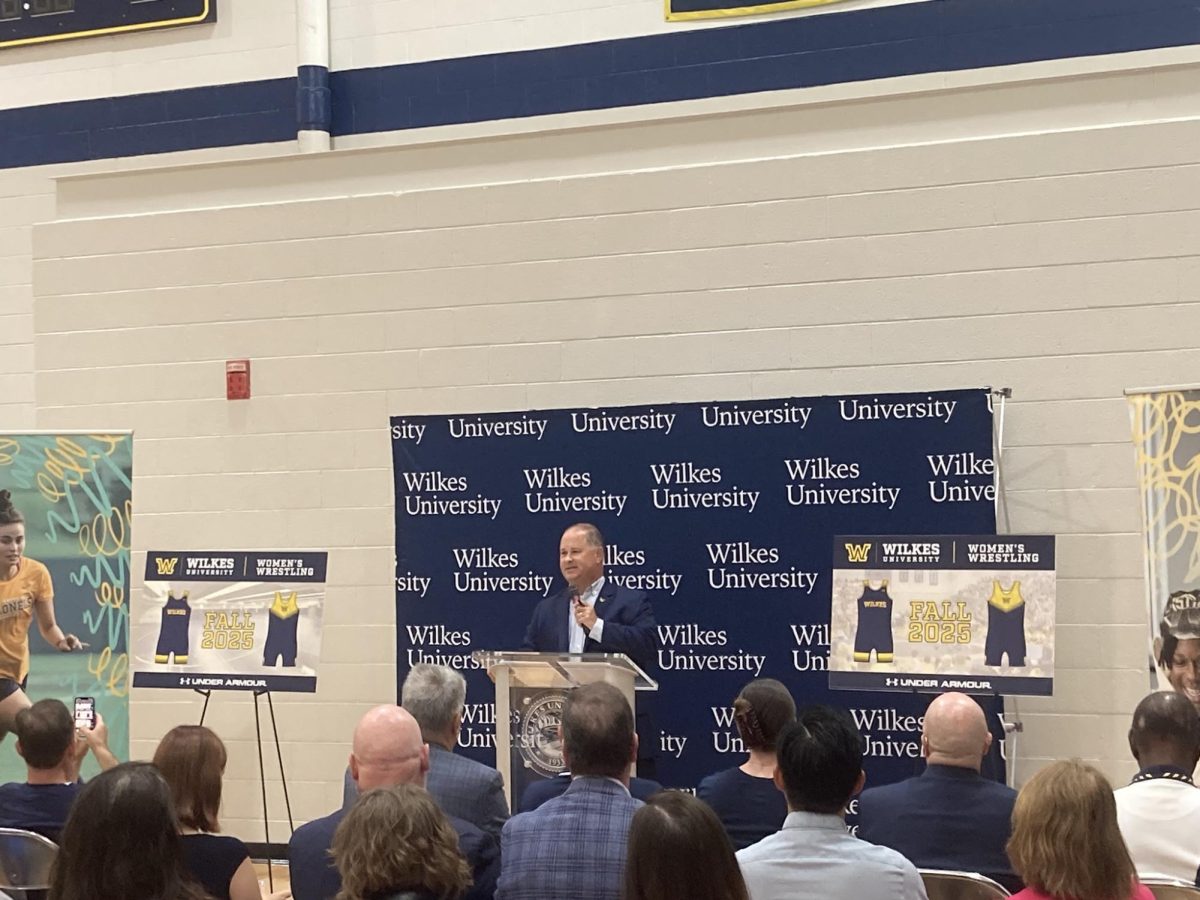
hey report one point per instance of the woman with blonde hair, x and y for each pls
(192, 760)
(395, 844)
(745, 797)
(1066, 844)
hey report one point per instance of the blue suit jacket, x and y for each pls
(945, 818)
(463, 788)
(314, 877)
(570, 848)
(548, 788)
(629, 625)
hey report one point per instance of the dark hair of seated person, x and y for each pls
(46, 731)
(121, 841)
(395, 842)
(678, 850)
(761, 711)
(820, 758)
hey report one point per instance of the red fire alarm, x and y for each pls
(237, 379)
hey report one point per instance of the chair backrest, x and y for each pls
(1172, 890)
(943, 885)
(25, 860)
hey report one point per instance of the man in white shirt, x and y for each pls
(819, 770)
(1159, 812)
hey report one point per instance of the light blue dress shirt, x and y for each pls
(814, 856)
(589, 597)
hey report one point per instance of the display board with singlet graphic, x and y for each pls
(941, 613)
(230, 620)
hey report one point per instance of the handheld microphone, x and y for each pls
(575, 601)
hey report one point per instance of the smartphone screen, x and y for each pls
(85, 712)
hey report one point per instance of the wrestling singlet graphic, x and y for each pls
(1006, 626)
(282, 619)
(874, 624)
(173, 633)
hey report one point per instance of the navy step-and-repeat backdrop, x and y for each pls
(723, 512)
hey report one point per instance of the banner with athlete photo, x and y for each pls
(943, 613)
(74, 493)
(1166, 438)
(230, 620)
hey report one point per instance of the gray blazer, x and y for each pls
(461, 787)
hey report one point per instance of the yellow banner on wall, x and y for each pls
(684, 10)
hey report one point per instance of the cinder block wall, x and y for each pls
(565, 271)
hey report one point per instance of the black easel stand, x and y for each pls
(262, 772)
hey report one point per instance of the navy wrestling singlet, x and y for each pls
(282, 619)
(1006, 626)
(173, 633)
(874, 624)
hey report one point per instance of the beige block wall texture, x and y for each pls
(1038, 236)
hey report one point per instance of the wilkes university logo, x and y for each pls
(537, 733)
(166, 565)
(857, 553)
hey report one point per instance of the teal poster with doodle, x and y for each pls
(64, 579)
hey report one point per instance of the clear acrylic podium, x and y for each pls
(530, 688)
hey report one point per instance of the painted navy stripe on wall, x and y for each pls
(218, 116)
(918, 38)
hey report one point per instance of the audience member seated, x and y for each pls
(436, 696)
(820, 770)
(669, 836)
(574, 845)
(192, 760)
(388, 751)
(396, 844)
(950, 816)
(539, 792)
(745, 798)
(1066, 843)
(1159, 813)
(53, 752)
(121, 841)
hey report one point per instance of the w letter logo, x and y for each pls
(166, 566)
(857, 552)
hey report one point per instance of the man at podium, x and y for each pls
(594, 614)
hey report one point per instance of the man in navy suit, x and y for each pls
(388, 751)
(462, 787)
(593, 614)
(575, 845)
(950, 816)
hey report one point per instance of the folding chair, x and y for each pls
(943, 885)
(1165, 889)
(25, 861)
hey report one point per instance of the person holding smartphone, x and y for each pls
(53, 750)
(26, 592)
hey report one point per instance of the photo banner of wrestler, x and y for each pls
(65, 509)
(230, 620)
(715, 524)
(969, 613)
(1166, 438)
